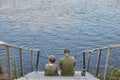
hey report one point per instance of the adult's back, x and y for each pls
(67, 64)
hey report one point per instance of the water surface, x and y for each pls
(52, 26)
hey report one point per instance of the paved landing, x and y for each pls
(40, 76)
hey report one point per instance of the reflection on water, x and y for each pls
(53, 25)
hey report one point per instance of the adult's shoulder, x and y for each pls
(61, 58)
(72, 57)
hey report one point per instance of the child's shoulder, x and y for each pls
(46, 65)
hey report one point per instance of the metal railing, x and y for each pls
(89, 52)
(8, 46)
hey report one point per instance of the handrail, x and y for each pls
(106, 47)
(14, 46)
(8, 46)
(99, 58)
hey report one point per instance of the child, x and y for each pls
(51, 69)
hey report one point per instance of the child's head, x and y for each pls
(51, 59)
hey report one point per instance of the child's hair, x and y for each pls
(52, 58)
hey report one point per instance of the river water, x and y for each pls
(52, 26)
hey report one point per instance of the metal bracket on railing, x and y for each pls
(84, 67)
(107, 62)
(31, 56)
(83, 73)
(98, 62)
(9, 62)
(21, 62)
(37, 61)
(89, 54)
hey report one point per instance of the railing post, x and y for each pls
(84, 67)
(98, 62)
(38, 54)
(107, 63)
(31, 55)
(8, 63)
(21, 63)
(88, 61)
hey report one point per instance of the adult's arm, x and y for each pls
(60, 64)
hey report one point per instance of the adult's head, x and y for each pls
(51, 59)
(66, 52)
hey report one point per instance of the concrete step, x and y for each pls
(40, 76)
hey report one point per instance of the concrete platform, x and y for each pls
(40, 76)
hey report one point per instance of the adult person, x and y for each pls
(51, 69)
(67, 64)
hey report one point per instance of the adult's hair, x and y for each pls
(66, 50)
